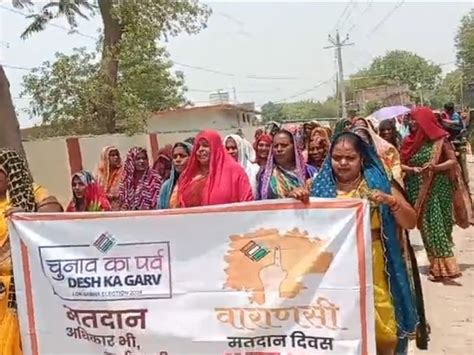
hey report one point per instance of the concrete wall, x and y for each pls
(192, 122)
(52, 161)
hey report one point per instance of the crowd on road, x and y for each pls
(406, 168)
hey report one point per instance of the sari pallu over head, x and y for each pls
(226, 182)
(246, 157)
(274, 182)
(386, 151)
(94, 196)
(428, 130)
(163, 163)
(168, 185)
(20, 190)
(107, 179)
(141, 194)
(324, 185)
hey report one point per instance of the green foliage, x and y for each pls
(399, 67)
(299, 111)
(73, 96)
(371, 107)
(69, 91)
(449, 90)
(465, 47)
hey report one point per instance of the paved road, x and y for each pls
(450, 309)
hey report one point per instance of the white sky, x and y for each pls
(265, 39)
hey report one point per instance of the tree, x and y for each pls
(111, 95)
(10, 135)
(299, 111)
(272, 112)
(465, 48)
(399, 67)
(449, 90)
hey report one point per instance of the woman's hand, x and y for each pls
(300, 193)
(379, 197)
(412, 169)
(13, 210)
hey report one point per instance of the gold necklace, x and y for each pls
(354, 182)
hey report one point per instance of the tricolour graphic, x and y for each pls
(272, 277)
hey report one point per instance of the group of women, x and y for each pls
(407, 184)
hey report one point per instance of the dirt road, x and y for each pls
(450, 309)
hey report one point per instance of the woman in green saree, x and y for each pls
(427, 160)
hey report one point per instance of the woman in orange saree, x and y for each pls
(109, 173)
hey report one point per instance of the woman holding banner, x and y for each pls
(18, 193)
(212, 176)
(354, 170)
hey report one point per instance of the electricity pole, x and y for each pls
(337, 44)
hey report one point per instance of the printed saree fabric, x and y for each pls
(374, 174)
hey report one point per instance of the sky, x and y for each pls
(267, 51)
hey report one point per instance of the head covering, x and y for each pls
(272, 126)
(162, 164)
(246, 157)
(142, 194)
(226, 182)
(245, 151)
(428, 130)
(388, 154)
(263, 138)
(320, 131)
(168, 185)
(298, 134)
(324, 185)
(20, 183)
(108, 179)
(380, 144)
(94, 196)
(298, 176)
(321, 137)
(341, 126)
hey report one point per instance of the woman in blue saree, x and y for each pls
(180, 155)
(353, 170)
(285, 169)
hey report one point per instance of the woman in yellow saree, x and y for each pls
(17, 192)
(353, 170)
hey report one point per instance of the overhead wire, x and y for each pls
(184, 65)
(336, 26)
(305, 91)
(385, 18)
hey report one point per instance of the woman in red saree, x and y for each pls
(212, 176)
(87, 195)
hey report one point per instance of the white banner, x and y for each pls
(263, 277)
